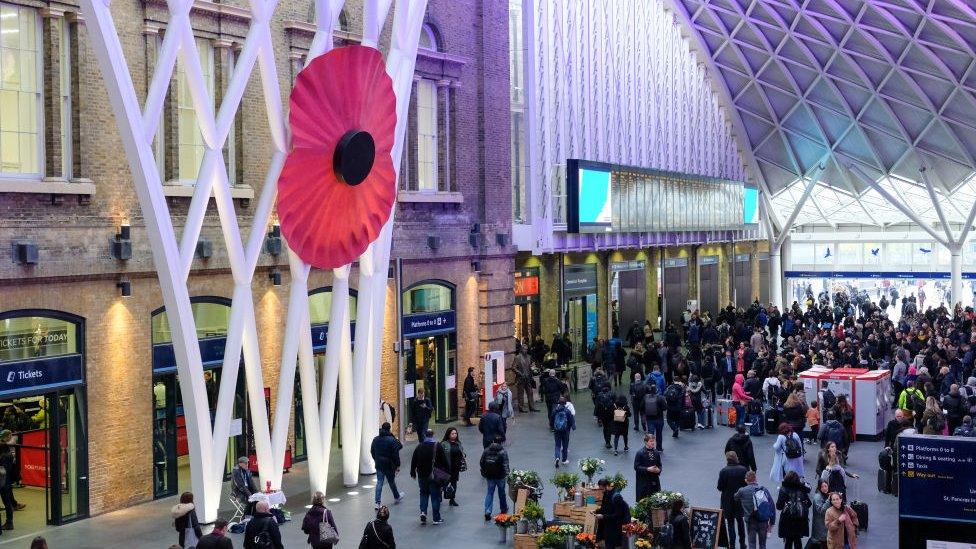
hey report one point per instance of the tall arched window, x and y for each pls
(427, 118)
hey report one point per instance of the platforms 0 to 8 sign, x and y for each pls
(938, 478)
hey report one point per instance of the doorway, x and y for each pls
(432, 366)
(675, 290)
(708, 284)
(576, 326)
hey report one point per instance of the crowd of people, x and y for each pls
(749, 358)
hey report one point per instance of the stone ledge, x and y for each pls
(186, 191)
(430, 197)
(83, 187)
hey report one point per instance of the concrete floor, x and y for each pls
(691, 464)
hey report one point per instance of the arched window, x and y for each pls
(36, 334)
(320, 305)
(428, 297)
(428, 39)
(211, 314)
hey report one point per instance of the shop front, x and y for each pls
(42, 396)
(429, 330)
(171, 462)
(580, 306)
(319, 309)
(628, 296)
(527, 322)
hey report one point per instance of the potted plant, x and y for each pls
(643, 543)
(524, 479)
(660, 506)
(618, 482)
(566, 482)
(552, 538)
(505, 521)
(533, 513)
(591, 467)
(634, 530)
(586, 541)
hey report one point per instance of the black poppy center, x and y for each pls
(354, 155)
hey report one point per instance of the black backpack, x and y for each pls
(915, 403)
(651, 407)
(835, 481)
(793, 448)
(829, 399)
(794, 507)
(605, 402)
(672, 395)
(492, 466)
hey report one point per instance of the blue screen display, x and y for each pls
(750, 205)
(595, 200)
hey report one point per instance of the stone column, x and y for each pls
(693, 273)
(452, 133)
(650, 285)
(724, 288)
(410, 182)
(223, 70)
(602, 297)
(549, 299)
(754, 264)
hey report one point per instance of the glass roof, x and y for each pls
(886, 86)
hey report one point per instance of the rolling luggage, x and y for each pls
(755, 425)
(709, 420)
(722, 406)
(686, 421)
(884, 481)
(771, 418)
(860, 507)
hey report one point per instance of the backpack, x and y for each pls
(835, 481)
(793, 447)
(672, 394)
(829, 399)
(915, 403)
(560, 422)
(650, 405)
(765, 511)
(605, 402)
(794, 507)
(262, 540)
(491, 465)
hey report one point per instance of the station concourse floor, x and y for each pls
(691, 465)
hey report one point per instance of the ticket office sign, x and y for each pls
(937, 478)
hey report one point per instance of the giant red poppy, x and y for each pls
(337, 187)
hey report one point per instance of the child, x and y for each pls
(813, 420)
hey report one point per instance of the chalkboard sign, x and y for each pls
(705, 527)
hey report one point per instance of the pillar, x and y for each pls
(603, 297)
(776, 275)
(955, 270)
(754, 264)
(650, 285)
(549, 305)
(693, 273)
(53, 31)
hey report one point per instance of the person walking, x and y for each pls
(216, 539)
(471, 397)
(420, 412)
(315, 517)
(385, 450)
(835, 474)
(39, 543)
(674, 395)
(494, 469)
(730, 479)
(262, 530)
(793, 502)
(787, 454)
(647, 466)
(524, 381)
(378, 534)
(503, 398)
(551, 389)
(758, 509)
(621, 424)
(491, 425)
(604, 413)
(637, 392)
(457, 463)
(818, 526)
(563, 421)
(695, 388)
(741, 444)
(813, 420)
(654, 409)
(611, 516)
(841, 523)
(427, 456)
(184, 520)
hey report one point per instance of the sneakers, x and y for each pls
(565, 462)
(453, 503)
(487, 517)
(556, 463)
(438, 521)
(423, 519)
(398, 500)
(616, 453)
(376, 506)
(700, 426)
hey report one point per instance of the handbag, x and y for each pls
(327, 532)
(620, 415)
(437, 474)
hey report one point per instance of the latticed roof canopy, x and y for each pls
(886, 86)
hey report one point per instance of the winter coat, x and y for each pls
(741, 444)
(504, 399)
(552, 389)
(615, 515)
(794, 527)
(681, 531)
(783, 464)
(385, 450)
(836, 529)
(695, 390)
(730, 479)
(745, 502)
(657, 378)
(425, 456)
(818, 530)
(491, 426)
(647, 483)
(377, 535)
(261, 522)
(310, 525)
(738, 393)
(185, 516)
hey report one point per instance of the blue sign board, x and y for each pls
(320, 335)
(937, 478)
(903, 275)
(427, 324)
(211, 354)
(41, 374)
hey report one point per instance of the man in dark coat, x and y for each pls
(551, 390)
(471, 396)
(611, 516)
(637, 392)
(730, 479)
(385, 450)
(741, 444)
(491, 425)
(217, 538)
(647, 465)
(420, 412)
(263, 523)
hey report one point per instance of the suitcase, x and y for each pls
(722, 406)
(861, 509)
(772, 419)
(686, 421)
(755, 426)
(884, 481)
(709, 420)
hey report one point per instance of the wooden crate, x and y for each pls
(563, 509)
(578, 514)
(527, 541)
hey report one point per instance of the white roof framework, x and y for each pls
(885, 86)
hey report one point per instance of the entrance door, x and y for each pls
(675, 293)
(743, 282)
(632, 299)
(708, 284)
(576, 326)
(51, 463)
(527, 320)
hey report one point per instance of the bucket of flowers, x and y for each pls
(566, 482)
(635, 530)
(504, 521)
(529, 480)
(552, 538)
(585, 541)
(642, 543)
(534, 514)
(591, 467)
(618, 482)
(660, 506)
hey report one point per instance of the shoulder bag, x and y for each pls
(327, 532)
(437, 474)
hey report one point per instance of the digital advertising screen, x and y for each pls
(750, 205)
(590, 197)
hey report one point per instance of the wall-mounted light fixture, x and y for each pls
(474, 237)
(275, 277)
(204, 248)
(125, 287)
(476, 266)
(121, 246)
(272, 243)
(25, 253)
(433, 242)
